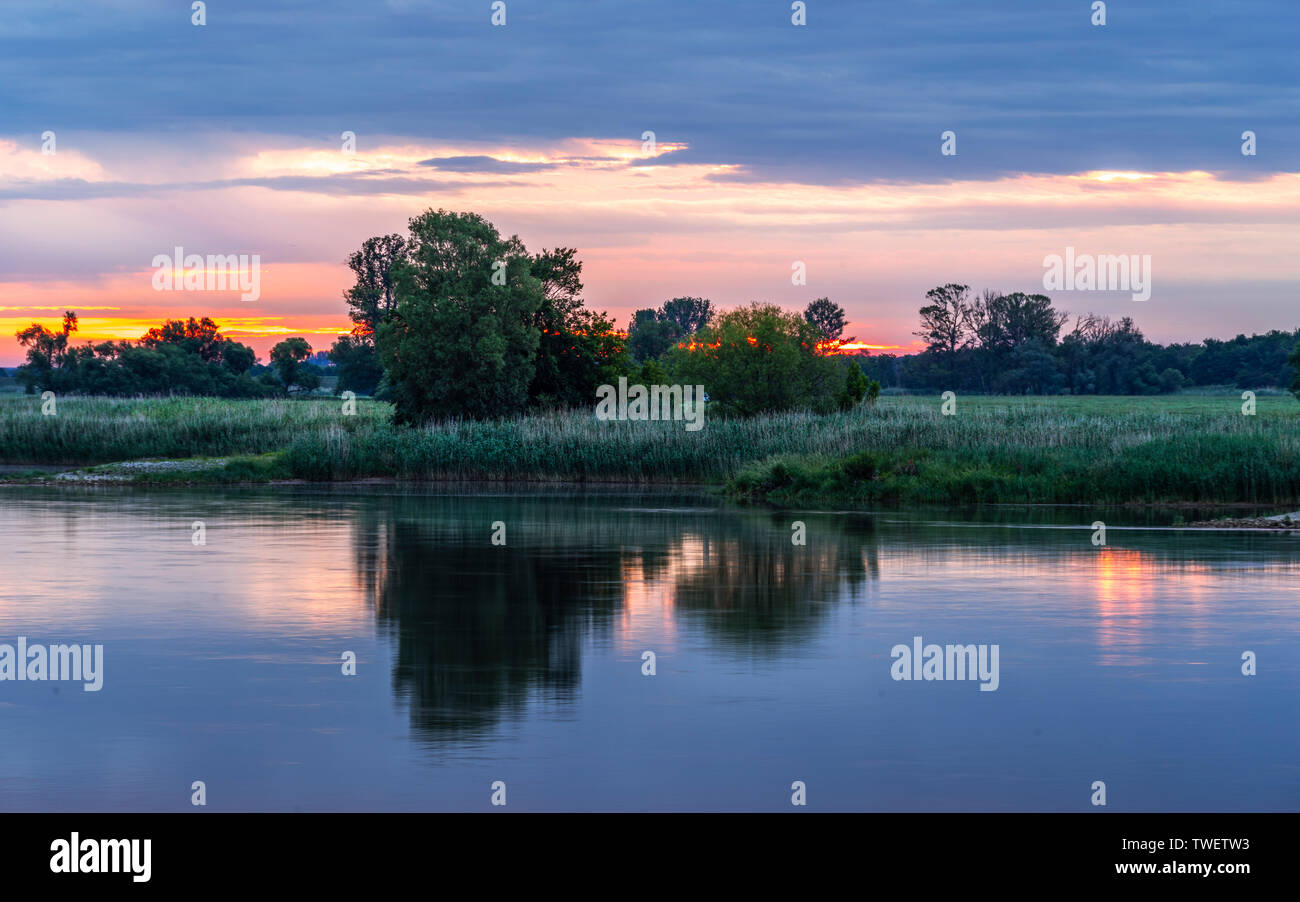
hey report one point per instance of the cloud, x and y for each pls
(343, 185)
(483, 164)
(861, 92)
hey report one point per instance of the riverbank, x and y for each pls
(1070, 450)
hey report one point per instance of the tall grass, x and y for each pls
(993, 449)
(1214, 468)
(580, 446)
(101, 430)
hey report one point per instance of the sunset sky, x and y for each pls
(774, 144)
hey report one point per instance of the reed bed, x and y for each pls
(1188, 448)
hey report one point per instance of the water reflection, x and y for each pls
(753, 588)
(478, 628)
(478, 660)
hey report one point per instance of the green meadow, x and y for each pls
(903, 450)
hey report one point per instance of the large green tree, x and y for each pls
(461, 340)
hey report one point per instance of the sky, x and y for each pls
(774, 144)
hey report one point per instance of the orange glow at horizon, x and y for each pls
(853, 347)
(247, 329)
(96, 329)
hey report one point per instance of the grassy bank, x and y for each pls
(1042, 450)
(100, 430)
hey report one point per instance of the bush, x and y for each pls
(860, 466)
(758, 359)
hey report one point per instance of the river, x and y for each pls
(501, 637)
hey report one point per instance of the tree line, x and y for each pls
(454, 320)
(185, 357)
(1013, 344)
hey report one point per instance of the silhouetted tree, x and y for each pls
(828, 317)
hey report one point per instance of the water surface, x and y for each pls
(523, 662)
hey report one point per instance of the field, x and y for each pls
(1180, 448)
